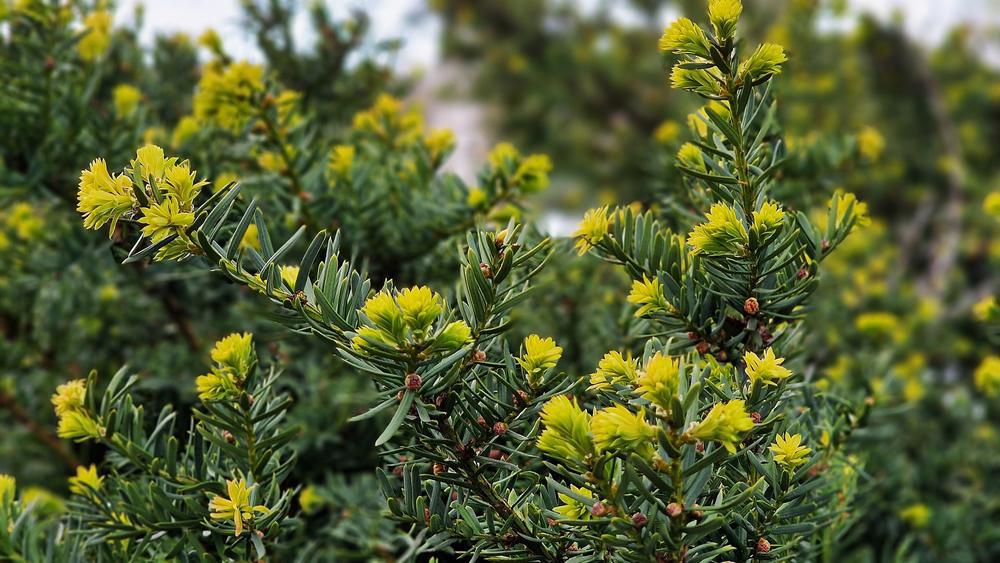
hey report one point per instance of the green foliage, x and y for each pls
(752, 394)
(160, 493)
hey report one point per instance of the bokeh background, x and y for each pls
(897, 101)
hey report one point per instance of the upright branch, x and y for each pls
(696, 456)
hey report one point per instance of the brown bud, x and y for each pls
(692, 335)
(510, 538)
(413, 382)
(699, 447)
(751, 306)
(399, 396)
(520, 397)
(427, 515)
(259, 128)
(500, 428)
(228, 436)
(438, 468)
(267, 101)
(763, 546)
(249, 400)
(481, 421)
(486, 270)
(495, 453)
(674, 509)
(755, 417)
(824, 244)
(702, 347)
(50, 63)
(697, 515)
(802, 273)
(550, 521)
(722, 356)
(639, 520)
(600, 510)
(397, 471)
(478, 356)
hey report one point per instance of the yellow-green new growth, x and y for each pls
(593, 229)
(216, 386)
(991, 204)
(164, 219)
(691, 157)
(849, 209)
(726, 423)
(768, 370)
(574, 509)
(289, 273)
(235, 351)
(684, 37)
(871, 143)
(224, 96)
(341, 162)
(185, 129)
(532, 174)
(618, 430)
(987, 376)
(103, 198)
(614, 369)
(237, 507)
(788, 450)
(74, 421)
(917, 515)
(234, 356)
(439, 142)
(699, 81)
(179, 183)
(649, 294)
(382, 311)
(97, 35)
(540, 354)
(69, 396)
(150, 162)
(724, 15)
(723, 233)
(8, 491)
(659, 380)
(765, 61)
(768, 218)
(420, 306)
(453, 337)
(567, 429)
(126, 99)
(78, 426)
(503, 155)
(310, 500)
(86, 480)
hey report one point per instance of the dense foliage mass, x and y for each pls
(304, 339)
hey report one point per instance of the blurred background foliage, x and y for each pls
(903, 323)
